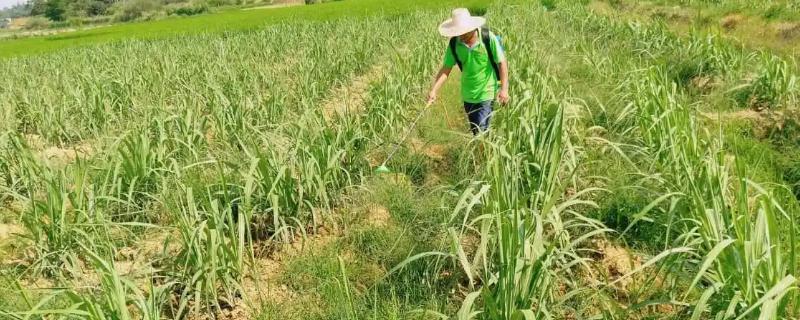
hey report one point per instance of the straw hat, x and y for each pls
(461, 23)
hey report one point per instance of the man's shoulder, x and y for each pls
(492, 37)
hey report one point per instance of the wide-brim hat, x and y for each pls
(460, 23)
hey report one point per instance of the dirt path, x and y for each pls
(9, 230)
(263, 279)
(58, 156)
(434, 151)
(283, 4)
(748, 114)
(265, 282)
(762, 122)
(351, 98)
(19, 33)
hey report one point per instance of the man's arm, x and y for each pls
(500, 59)
(438, 81)
(503, 96)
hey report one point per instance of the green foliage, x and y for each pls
(478, 10)
(774, 86)
(415, 166)
(548, 4)
(792, 177)
(774, 12)
(720, 218)
(38, 7)
(687, 68)
(134, 9)
(140, 162)
(98, 8)
(189, 10)
(618, 4)
(623, 209)
(55, 10)
(210, 264)
(36, 23)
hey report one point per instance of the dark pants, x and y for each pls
(479, 115)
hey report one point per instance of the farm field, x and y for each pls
(230, 20)
(199, 168)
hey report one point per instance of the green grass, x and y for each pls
(369, 251)
(225, 21)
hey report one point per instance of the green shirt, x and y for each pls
(478, 81)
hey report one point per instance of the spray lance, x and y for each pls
(383, 168)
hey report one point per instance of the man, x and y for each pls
(479, 78)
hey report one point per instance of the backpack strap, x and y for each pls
(453, 51)
(487, 42)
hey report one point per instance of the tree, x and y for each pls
(97, 8)
(16, 11)
(38, 7)
(55, 10)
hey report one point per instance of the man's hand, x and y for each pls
(444, 72)
(503, 96)
(431, 97)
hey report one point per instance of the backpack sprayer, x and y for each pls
(383, 168)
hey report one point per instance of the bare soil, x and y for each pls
(278, 4)
(613, 262)
(674, 14)
(17, 26)
(432, 151)
(9, 230)
(351, 98)
(617, 260)
(731, 21)
(18, 23)
(763, 121)
(787, 30)
(702, 83)
(58, 156)
(262, 281)
(747, 114)
(35, 142)
(378, 216)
